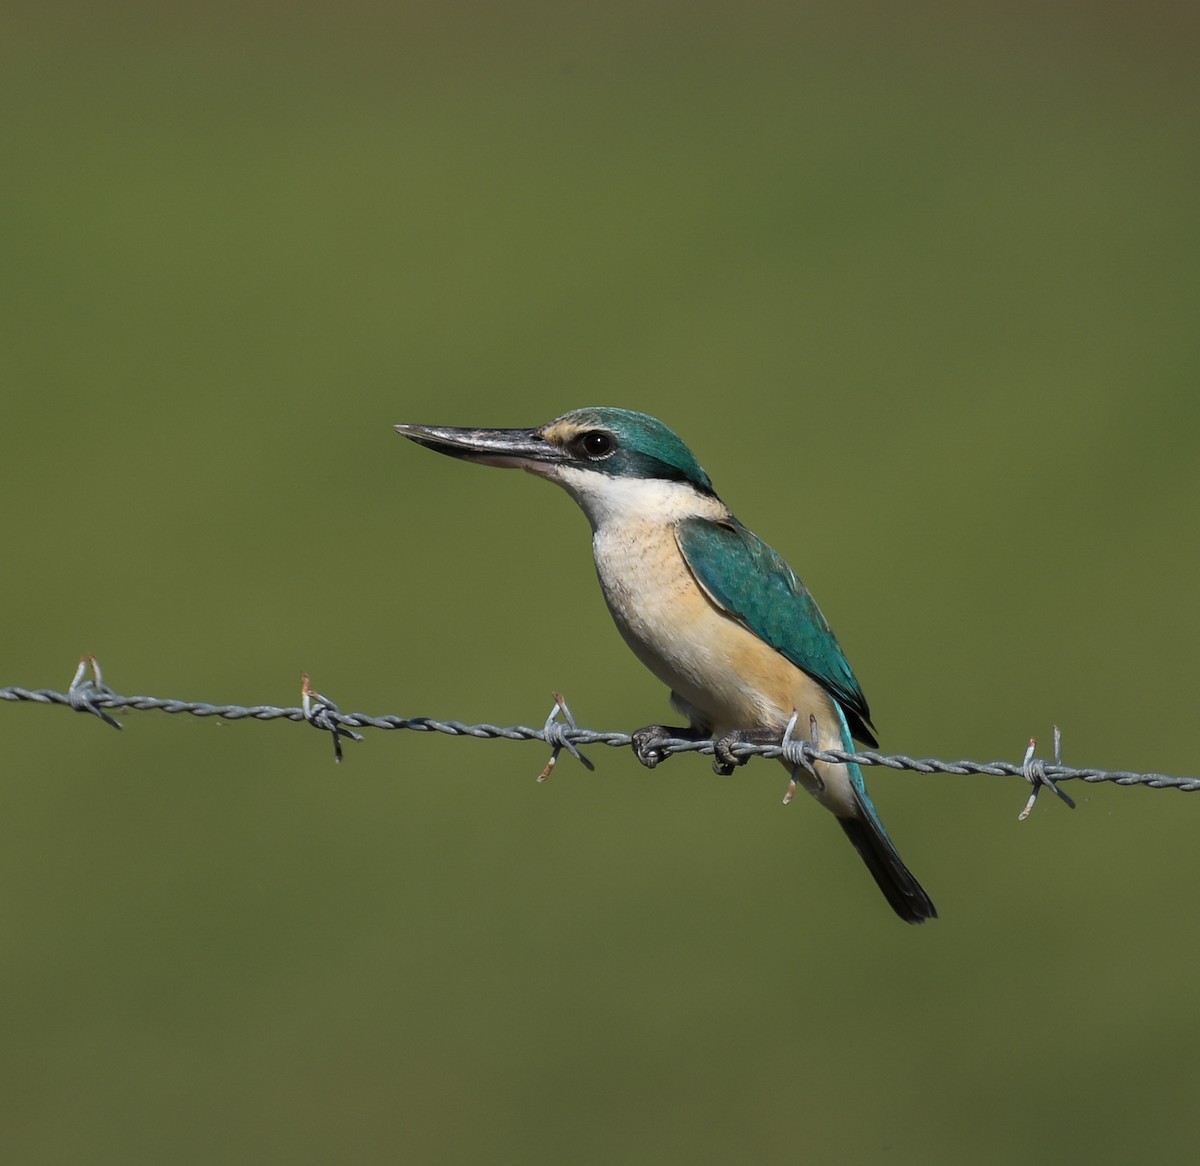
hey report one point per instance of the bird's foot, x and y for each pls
(725, 761)
(647, 742)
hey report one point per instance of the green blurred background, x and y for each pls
(919, 285)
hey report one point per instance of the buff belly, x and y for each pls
(721, 675)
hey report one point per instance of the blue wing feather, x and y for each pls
(754, 585)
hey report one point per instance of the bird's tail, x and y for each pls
(896, 881)
(898, 884)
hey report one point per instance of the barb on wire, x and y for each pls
(323, 714)
(558, 740)
(796, 753)
(92, 695)
(1034, 772)
(82, 693)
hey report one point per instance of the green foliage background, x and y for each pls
(918, 283)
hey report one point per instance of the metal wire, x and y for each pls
(89, 694)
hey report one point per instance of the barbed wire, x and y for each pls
(89, 694)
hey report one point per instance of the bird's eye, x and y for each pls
(597, 444)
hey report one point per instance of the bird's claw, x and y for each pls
(647, 745)
(725, 761)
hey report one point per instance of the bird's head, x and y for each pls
(604, 457)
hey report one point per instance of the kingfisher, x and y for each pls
(708, 607)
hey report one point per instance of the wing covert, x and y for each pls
(752, 583)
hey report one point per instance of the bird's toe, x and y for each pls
(725, 761)
(647, 745)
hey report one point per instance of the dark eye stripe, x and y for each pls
(628, 463)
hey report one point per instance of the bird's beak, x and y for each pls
(523, 449)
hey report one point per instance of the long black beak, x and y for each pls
(518, 448)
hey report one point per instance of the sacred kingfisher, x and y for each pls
(707, 606)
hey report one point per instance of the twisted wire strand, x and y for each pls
(92, 695)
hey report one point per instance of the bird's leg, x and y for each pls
(646, 741)
(725, 761)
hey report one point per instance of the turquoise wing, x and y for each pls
(752, 583)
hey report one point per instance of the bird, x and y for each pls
(708, 607)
